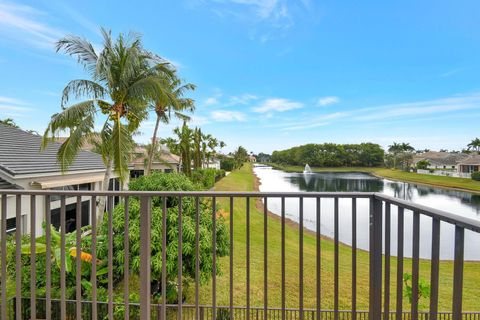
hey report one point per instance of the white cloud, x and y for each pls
(265, 19)
(23, 23)
(411, 111)
(325, 101)
(210, 101)
(10, 100)
(450, 73)
(226, 115)
(197, 121)
(241, 99)
(277, 104)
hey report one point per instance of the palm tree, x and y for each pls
(185, 147)
(9, 122)
(399, 148)
(474, 144)
(124, 80)
(170, 102)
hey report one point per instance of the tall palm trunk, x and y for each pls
(154, 144)
(103, 200)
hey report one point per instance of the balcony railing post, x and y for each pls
(375, 302)
(145, 258)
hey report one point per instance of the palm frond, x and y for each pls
(69, 118)
(70, 148)
(83, 88)
(81, 48)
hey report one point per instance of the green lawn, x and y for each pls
(439, 181)
(243, 180)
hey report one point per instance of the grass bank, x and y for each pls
(244, 180)
(438, 181)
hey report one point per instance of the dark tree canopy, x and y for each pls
(332, 155)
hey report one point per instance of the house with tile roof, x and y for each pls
(440, 160)
(166, 162)
(23, 165)
(470, 164)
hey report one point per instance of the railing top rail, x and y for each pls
(452, 218)
(253, 194)
(456, 219)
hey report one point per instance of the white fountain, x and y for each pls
(307, 169)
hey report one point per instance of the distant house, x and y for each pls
(168, 162)
(440, 160)
(252, 158)
(470, 164)
(213, 163)
(24, 166)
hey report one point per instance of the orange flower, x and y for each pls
(87, 257)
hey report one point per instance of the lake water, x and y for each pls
(458, 202)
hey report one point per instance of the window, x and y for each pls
(85, 187)
(168, 170)
(75, 187)
(12, 225)
(71, 216)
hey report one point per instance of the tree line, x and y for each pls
(332, 155)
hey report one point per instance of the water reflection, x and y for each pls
(458, 202)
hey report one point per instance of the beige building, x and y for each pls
(166, 162)
(24, 166)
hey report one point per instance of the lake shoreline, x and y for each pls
(376, 172)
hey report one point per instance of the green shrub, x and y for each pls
(206, 178)
(167, 182)
(227, 164)
(476, 175)
(423, 164)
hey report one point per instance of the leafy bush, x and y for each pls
(423, 288)
(227, 164)
(170, 182)
(206, 178)
(476, 175)
(423, 164)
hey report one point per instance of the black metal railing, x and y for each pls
(37, 206)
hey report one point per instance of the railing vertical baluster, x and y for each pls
(48, 259)
(197, 257)
(126, 262)
(164, 258)
(283, 259)
(33, 259)
(300, 265)
(78, 270)
(415, 263)
(318, 260)
(400, 231)
(145, 252)
(434, 275)
(248, 255)
(93, 279)
(354, 258)
(375, 248)
(63, 306)
(4, 256)
(180, 260)
(386, 303)
(214, 258)
(110, 257)
(336, 259)
(231, 259)
(18, 258)
(458, 273)
(265, 258)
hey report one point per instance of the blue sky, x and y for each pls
(275, 73)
